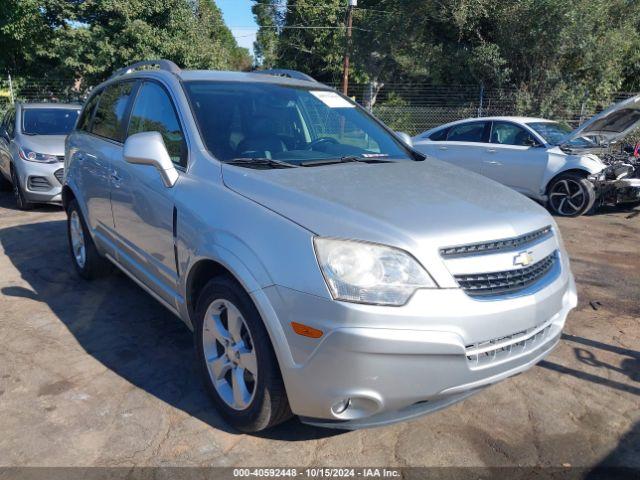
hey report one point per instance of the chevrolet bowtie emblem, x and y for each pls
(523, 259)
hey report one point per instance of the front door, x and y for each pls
(143, 207)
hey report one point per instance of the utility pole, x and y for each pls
(349, 25)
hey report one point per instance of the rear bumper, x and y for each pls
(394, 363)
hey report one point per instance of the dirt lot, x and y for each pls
(100, 374)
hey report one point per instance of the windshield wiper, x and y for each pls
(259, 162)
(345, 159)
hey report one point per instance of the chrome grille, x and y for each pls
(59, 174)
(486, 247)
(38, 183)
(508, 281)
(491, 351)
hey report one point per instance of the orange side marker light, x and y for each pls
(306, 330)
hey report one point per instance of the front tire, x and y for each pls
(21, 202)
(239, 366)
(85, 257)
(5, 185)
(571, 195)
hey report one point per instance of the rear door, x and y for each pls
(515, 158)
(96, 144)
(466, 145)
(143, 207)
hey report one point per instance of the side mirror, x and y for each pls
(405, 138)
(531, 142)
(4, 134)
(148, 148)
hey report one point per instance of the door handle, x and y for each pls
(442, 148)
(490, 150)
(115, 178)
(492, 162)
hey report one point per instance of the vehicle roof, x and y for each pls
(73, 106)
(227, 76)
(505, 118)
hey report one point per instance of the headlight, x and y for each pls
(32, 156)
(369, 273)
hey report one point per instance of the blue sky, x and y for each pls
(238, 17)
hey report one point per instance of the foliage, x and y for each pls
(269, 15)
(89, 39)
(558, 54)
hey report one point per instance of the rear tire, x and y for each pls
(21, 202)
(571, 195)
(231, 341)
(85, 257)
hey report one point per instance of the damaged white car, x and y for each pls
(546, 160)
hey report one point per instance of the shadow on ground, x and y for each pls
(626, 453)
(120, 325)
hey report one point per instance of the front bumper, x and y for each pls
(39, 181)
(395, 363)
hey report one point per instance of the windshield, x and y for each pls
(288, 124)
(554, 133)
(48, 121)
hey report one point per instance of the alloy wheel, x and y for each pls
(567, 197)
(229, 354)
(77, 239)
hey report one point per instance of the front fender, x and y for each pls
(560, 162)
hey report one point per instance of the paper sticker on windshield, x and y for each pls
(331, 99)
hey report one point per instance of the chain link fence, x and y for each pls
(38, 90)
(414, 108)
(407, 107)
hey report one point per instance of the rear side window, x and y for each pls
(110, 115)
(439, 136)
(84, 122)
(467, 132)
(153, 111)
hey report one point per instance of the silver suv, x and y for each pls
(326, 269)
(32, 139)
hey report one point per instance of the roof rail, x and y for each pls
(280, 72)
(166, 65)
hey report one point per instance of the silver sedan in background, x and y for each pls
(32, 139)
(546, 160)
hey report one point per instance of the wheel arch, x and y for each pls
(67, 195)
(579, 171)
(205, 268)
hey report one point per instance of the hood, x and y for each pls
(612, 124)
(405, 204)
(49, 144)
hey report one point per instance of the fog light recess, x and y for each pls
(341, 406)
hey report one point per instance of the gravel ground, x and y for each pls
(99, 374)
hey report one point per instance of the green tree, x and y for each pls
(89, 39)
(268, 14)
(558, 54)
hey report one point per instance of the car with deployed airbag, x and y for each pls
(326, 269)
(567, 169)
